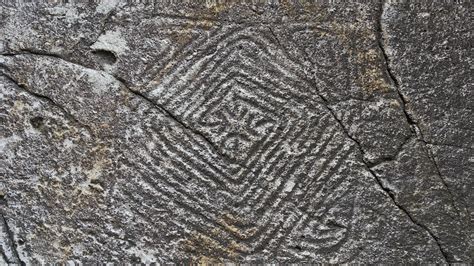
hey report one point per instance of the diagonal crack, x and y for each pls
(379, 182)
(173, 117)
(275, 36)
(390, 194)
(13, 257)
(135, 92)
(181, 123)
(369, 165)
(28, 51)
(409, 117)
(414, 125)
(50, 101)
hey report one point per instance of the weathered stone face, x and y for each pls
(233, 132)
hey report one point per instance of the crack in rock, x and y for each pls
(8, 244)
(229, 133)
(181, 123)
(369, 167)
(124, 83)
(50, 101)
(411, 121)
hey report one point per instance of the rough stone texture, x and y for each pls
(277, 132)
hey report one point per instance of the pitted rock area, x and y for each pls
(236, 132)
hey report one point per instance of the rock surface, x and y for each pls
(277, 132)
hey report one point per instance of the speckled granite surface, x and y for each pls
(236, 132)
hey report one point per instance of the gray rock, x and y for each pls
(205, 133)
